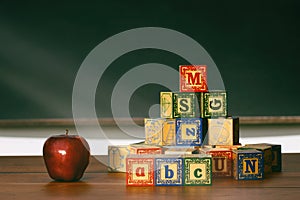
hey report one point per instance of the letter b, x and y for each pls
(169, 173)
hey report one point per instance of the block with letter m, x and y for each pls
(193, 78)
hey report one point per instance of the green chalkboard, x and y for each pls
(255, 45)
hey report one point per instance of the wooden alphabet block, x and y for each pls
(168, 170)
(139, 171)
(213, 104)
(223, 131)
(166, 104)
(175, 150)
(276, 157)
(231, 147)
(189, 131)
(197, 170)
(153, 131)
(248, 164)
(186, 104)
(145, 149)
(160, 131)
(221, 161)
(267, 151)
(193, 78)
(117, 157)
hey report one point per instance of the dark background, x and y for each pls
(255, 45)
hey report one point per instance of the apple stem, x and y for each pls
(67, 131)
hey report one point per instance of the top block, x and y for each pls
(193, 78)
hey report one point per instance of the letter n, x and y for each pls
(250, 164)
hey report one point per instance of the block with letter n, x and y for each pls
(197, 169)
(140, 170)
(213, 104)
(189, 131)
(267, 150)
(186, 104)
(168, 170)
(248, 164)
(193, 78)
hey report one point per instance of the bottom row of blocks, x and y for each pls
(250, 162)
(164, 170)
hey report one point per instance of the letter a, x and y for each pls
(140, 171)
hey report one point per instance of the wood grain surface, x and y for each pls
(26, 178)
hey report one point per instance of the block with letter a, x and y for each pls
(139, 170)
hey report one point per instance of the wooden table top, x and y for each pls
(26, 178)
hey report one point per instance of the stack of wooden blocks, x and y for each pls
(193, 140)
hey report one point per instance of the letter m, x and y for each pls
(194, 79)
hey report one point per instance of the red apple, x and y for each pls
(66, 156)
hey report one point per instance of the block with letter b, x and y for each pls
(213, 104)
(197, 169)
(193, 78)
(168, 170)
(189, 131)
(139, 170)
(223, 131)
(159, 131)
(248, 164)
